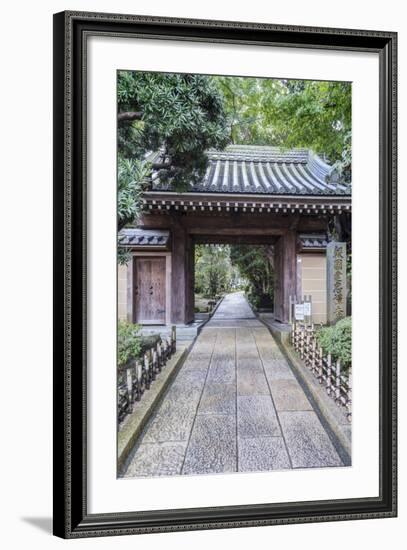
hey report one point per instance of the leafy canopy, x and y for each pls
(214, 272)
(254, 264)
(291, 113)
(131, 175)
(181, 115)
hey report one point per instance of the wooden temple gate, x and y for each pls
(250, 195)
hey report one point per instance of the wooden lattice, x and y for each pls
(136, 377)
(329, 373)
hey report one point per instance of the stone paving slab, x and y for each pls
(289, 396)
(235, 405)
(251, 379)
(256, 416)
(261, 454)
(175, 416)
(218, 399)
(212, 447)
(246, 345)
(157, 459)
(191, 378)
(175, 426)
(222, 368)
(278, 370)
(222, 373)
(308, 443)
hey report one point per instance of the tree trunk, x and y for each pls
(129, 115)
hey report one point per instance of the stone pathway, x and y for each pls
(235, 405)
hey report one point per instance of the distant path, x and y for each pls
(233, 306)
(235, 405)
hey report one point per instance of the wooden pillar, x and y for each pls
(179, 275)
(190, 279)
(285, 263)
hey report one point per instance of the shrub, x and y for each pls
(128, 342)
(148, 342)
(337, 340)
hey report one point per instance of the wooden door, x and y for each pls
(149, 290)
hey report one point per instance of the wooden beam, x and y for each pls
(235, 239)
(241, 223)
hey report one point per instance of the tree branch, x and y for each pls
(129, 115)
(161, 165)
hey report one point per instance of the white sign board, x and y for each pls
(299, 312)
(307, 309)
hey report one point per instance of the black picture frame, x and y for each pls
(71, 518)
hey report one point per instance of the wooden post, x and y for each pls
(320, 366)
(165, 350)
(174, 338)
(338, 382)
(139, 375)
(159, 357)
(307, 348)
(169, 344)
(129, 381)
(153, 361)
(190, 280)
(329, 375)
(286, 275)
(147, 371)
(314, 353)
(179, 276)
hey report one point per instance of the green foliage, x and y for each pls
(253, 263)
(132, 174)
(214, 273)
(291, 113)
(131, 180)
(181, 115)
(128, 342)
(337, 340)
(149, 341)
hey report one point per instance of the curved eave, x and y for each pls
(250, 202)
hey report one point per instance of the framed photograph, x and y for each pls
(224, 274)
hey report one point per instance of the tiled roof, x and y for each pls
(266, 170)
(313, 241)
(146, 238)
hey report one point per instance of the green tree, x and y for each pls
(214, 273)
(253, 263)
(179, 115)
(132, 175)
(291, 113)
